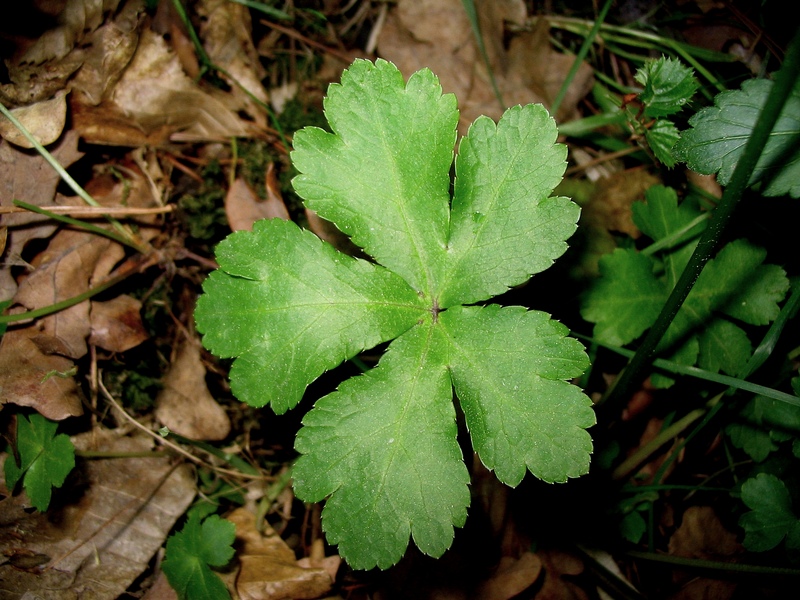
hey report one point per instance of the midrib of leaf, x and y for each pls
(422, 359)
(414, 235)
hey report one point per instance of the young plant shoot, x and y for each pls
(286, 306)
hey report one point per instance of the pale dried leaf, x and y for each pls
(27, 176)
(78, 18)
(107, 52)
(243, 207)
(185, 405)
(226, 31)
(45, 67)
(437, 34)
(100, 543)
(160, 590)
(116, 324)
(66, 268)
(269, 570)
(556, 564)
(702, 535)
(72, 263)
(512, 577)
(32, 377)
(44, 121)
(155, 92)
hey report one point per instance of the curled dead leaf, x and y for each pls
(30, 376)
(512, 577)
(28, 177)
(185, 405)
(269, 570)
(116, 324)
(243, 207)
(44, 120)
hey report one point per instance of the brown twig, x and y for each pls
(92, 211)
(300, 37)
(168, 443)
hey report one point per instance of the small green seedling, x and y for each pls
(382, 448)
(668, 86)
(42, 459)
(191, 553)
(735, 287)
(770, 518)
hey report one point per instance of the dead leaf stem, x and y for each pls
(173, 446)
(62, 172)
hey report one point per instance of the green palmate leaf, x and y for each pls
(766, 423)
(501, 196)
(294, 308)
(668, 86)
(509, 369)
(662, 217)
(755, 441)
(371, 177)
(192, 551)
(716, 141)
(661, 136)
(771, 518)
(45, 459)
(625, 301)
(627, 298)
(779, 414)
(724, 347)
(383, 448)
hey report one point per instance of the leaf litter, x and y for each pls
(124, 74)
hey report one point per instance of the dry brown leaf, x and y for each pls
(31, 377)
(702, 535)
(155, 100)
(226, 31)
(44, 67)
(437, 34)
(71, 264)
(610, 205)
(609, 210)
(76, 20)
(116, 324)
(96, 546)
(44, 121)
(512, 577)
(160, 590)
(556, 564)
(67, 268)
(243, 207)
(269, 570)
(185, 405)
(107, 52)
(28, 177)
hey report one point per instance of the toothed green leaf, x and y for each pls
(383, 449)
(192, 552)
(45, 459)
(771, 518)
(715, 142)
